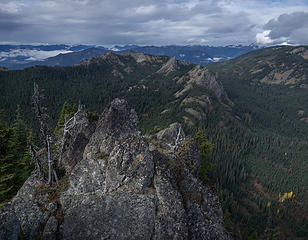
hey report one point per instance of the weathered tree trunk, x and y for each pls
(177, 141)
(52, 175)
(50, 163)
(40, 113)
(46, 137)
(38, 165)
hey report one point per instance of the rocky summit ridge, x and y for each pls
(123, 186)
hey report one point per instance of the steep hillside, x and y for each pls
(269, 89)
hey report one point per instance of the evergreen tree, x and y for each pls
(206, 148)
(20, 150)
(14, 156)
(6, 160)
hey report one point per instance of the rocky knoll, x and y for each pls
(124, 187)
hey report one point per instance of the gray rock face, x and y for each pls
(119, 215)
(27, 206)
(123, 189)
(9, 224)
(119, 143)
(171, 218)
(50, 230)
(107, 188)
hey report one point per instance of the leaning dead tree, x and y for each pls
(41, 114)
(68, 126)
(177, 140)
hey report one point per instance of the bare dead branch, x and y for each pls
(38, 165)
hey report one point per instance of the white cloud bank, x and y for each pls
(31, 55)
(263, 37)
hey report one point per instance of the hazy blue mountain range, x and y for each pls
(22, 56)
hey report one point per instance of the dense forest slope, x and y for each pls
(155, 86)
(253, 109)
(269, 88)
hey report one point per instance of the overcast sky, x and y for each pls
(156, 22)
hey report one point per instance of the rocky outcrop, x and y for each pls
(112, 58)
(142, 58)
(170, 66)
(301, 51)
(124, 188)
(107, 188)
(109, 58)
(203, 77)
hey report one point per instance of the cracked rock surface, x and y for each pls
(123, 188)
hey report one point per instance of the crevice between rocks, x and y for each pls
(42, 227)
(59, 215)
(21, 235)
(152, 185)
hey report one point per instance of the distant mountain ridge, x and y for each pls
(22, 56)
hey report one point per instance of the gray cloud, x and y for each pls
(156, 22)
(287, 25)
(9, 22)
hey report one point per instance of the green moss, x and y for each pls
(92, 116)
(3, 204)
